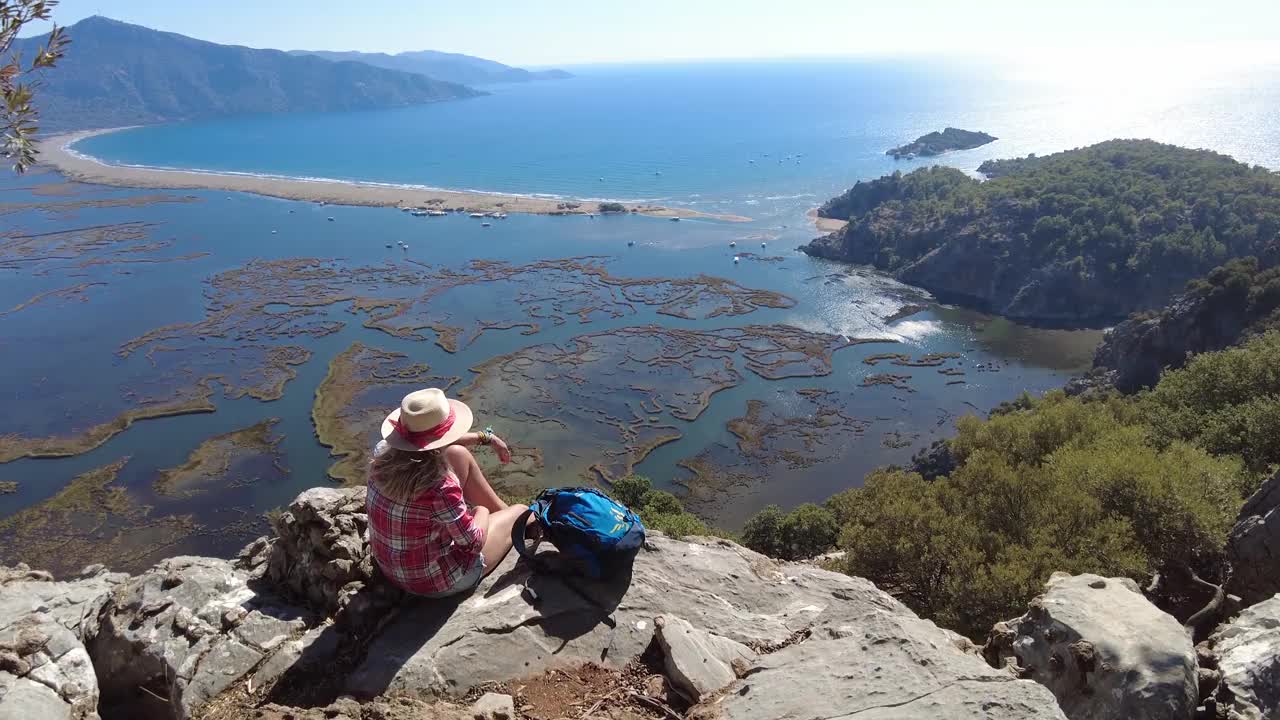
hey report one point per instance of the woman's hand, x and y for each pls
(500, 447)
(474, 439)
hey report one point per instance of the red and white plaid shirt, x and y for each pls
(428, 544)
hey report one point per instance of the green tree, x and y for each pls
(19, 76)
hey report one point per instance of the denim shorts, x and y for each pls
(465, 584)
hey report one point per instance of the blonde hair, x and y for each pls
(403, 476)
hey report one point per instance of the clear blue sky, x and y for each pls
(546, 32)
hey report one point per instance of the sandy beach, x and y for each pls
(826, 225)
(56, 152)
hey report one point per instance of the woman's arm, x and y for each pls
(475, 439)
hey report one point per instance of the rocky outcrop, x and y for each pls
(194, 633)
(190, 628)
(1139, 349)
(45, 671)
(880, 665)
(1254, 545)
(698, 662)
(1248, 659)
(1103, 649)
(845, 644)
(319, 557)
(937, 143)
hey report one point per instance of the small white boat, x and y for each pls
(290, 212)
(764, 244)
(631, 243)
(486, 224)
(735, 259)
(273, 232)
(330, 218)
(601, 180)
(437, 213)
(675, 219)
(733, 243)
(477, 215)
(322, 202)
(419, 213)
(591, 215)
(501, 216)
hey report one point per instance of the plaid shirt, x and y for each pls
(428, 544)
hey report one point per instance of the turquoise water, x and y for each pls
(678, 135)
(758, 138)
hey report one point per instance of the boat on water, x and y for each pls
(437, 213)
(501, 216)
(486, 224)
(330, 218)
(419, 213)
(477, 215)
(675, 219)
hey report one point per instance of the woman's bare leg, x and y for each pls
(497, 537)
(475, 488)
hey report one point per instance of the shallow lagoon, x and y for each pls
(591, 356)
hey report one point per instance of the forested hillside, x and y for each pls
(1083, 236)
(117, 74)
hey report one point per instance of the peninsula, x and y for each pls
(57, 152)
(1043, 240)
(936, 143)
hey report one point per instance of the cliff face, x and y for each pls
(977, 263)
(1232, 302)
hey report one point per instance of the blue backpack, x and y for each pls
(596, 535)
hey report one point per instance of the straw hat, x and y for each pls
(426, 420)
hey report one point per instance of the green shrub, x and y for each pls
(1060, 485)
(1225, 402)
(630, 490)
(658, 509)
(804, 532)
(763, 532)
(612, 207)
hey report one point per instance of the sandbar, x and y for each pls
(56, 151)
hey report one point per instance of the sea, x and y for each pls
(113, 299)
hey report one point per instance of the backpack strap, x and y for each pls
(518, 534)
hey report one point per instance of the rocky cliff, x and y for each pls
(301, 626)
(1232, 302)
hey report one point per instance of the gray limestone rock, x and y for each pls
(699, 663)
(501, 632)
(44, 668)
(1103, 649)
(188, 629)
(494, 706)
(1248, 653)
(1254, 545)
(878, 664)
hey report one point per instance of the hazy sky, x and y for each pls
(544, 32)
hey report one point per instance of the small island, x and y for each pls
(936, 143)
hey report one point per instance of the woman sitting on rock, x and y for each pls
(421, 481)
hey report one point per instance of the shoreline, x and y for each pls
(56, 152)
(825, 225)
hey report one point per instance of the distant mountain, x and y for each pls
(452, 67)
(115, 73)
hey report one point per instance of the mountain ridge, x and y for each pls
(117, 73)
(447, 66)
